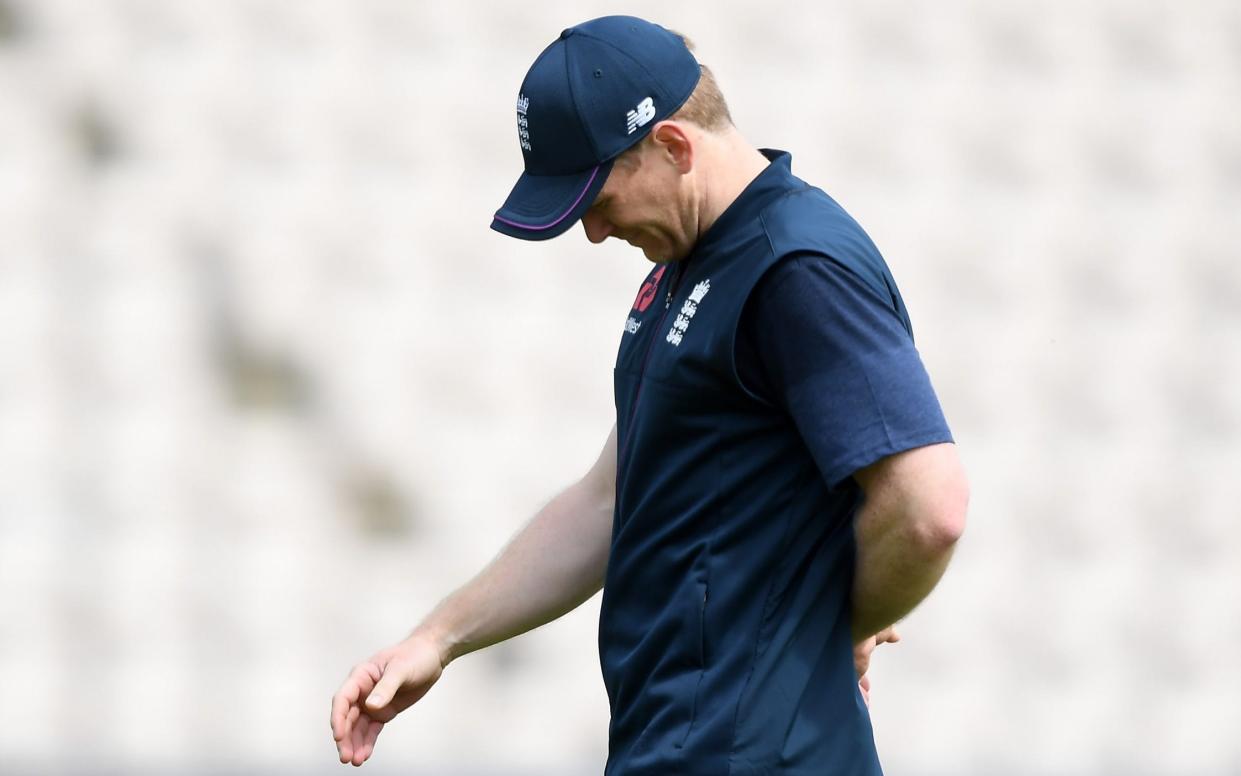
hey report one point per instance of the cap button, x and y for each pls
(567, 33)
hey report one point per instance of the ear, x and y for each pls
(674, 144)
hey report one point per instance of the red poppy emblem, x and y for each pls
(646, 294)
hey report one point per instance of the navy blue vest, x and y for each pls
(724, 636)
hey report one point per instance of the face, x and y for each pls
(643, 203)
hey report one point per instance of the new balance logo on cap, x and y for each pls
(640, 115)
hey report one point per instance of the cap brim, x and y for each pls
(541, 207)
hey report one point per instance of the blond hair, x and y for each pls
(706, 106)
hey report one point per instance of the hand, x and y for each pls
(380, 688)
(861, 657)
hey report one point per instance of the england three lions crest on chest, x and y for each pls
(681, 325)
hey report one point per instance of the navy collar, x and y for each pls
(775, 179)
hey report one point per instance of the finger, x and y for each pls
(344, 750)
(357, 684)
(365, 677)
(345, 697)
(345, 745)
(341, 735)
(368, 741)
(340, 716)
(358, 737)
(861, 656)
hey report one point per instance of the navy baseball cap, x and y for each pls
(593, 93)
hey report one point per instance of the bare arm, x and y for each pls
(551, 566)
(906, 530)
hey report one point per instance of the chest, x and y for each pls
(677, 325)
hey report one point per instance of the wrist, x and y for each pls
(441, 639)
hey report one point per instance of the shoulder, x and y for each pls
(812, 237)
(806, 215)
(807, 266)
(816, 283)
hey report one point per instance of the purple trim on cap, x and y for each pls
(566, 213)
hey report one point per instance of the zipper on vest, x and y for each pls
(673, 283)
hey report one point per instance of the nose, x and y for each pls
(596, 226)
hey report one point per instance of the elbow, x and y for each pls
(943, 522)
(941, 532)
(920, 495)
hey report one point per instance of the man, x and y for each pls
(780, 486)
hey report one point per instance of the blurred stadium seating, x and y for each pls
(269, 387)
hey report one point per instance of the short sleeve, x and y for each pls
(818, 341)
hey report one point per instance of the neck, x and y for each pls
(731, 164)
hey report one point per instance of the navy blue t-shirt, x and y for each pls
(819, 342)
(753, 378)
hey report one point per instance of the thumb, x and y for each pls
(887, 636)
(387, 687)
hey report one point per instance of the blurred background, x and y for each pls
(269, 386)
